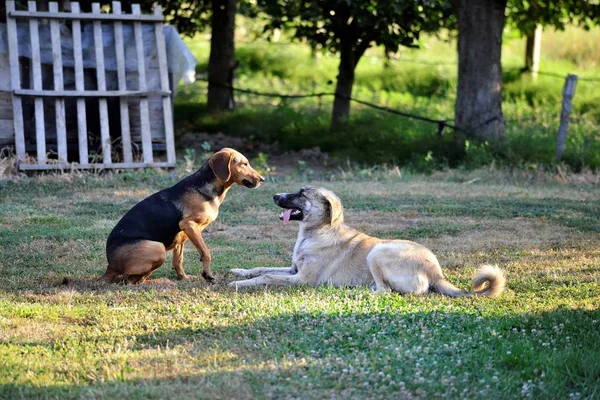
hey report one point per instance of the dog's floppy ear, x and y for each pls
(220, 163)
(336, 212)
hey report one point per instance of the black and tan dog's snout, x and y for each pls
(253, 180)
(260, 179)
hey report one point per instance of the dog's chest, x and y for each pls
(302, 253)
(308, 257)
(198, 207)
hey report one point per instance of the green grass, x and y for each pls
(187, 339)
(421, 82)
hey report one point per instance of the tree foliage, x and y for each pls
(188, 16)
(526, 14)
(350, 27)
(328, 24)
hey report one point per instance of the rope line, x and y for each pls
(441, 123)
(579, 78)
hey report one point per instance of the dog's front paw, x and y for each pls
(208, 277)
(239, 272)
(185, 277)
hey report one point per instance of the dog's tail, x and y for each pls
(489, 274)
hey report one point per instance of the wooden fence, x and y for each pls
(97, 18)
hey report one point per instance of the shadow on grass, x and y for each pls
(318, 354)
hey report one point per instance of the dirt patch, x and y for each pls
(18, 330)
(515, 234)
(53, 202)
(57, 250)
(281, 162)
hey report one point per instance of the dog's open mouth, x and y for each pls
(291, 214)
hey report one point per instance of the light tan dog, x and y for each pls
(329, 252)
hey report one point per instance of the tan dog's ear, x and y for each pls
(336, 211)
(220, 163)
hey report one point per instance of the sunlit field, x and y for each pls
(63, 335)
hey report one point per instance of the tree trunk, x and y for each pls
(533, 46)
(478, 108)
(343, 87)
(222, 56)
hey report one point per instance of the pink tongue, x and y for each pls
(286, 216)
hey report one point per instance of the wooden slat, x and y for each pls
(40, 133)
(6, 113)
(66, 166)
(84, 17)
(144, 111)
(57, 65)
(7, 132)
(122, 80)
(15, 76)
(164, 85)
(101, 78)
(5, 99)
(80, 86)
(91, 93)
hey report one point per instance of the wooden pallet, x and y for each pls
(116, 18)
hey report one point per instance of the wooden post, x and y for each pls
(57, 65)
(80, 87)
(164, 85)
(36, 69)
(568, 93)
(15, 77)
(141, 64)
(101, 78)
(122, 79)
(532, 51)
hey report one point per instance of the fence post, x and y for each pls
(568, 93)
(532, 51)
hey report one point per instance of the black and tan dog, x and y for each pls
(328, 251)
(139, 242)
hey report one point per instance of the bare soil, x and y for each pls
(280, 161)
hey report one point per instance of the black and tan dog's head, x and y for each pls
(313, 206)
(230, 166)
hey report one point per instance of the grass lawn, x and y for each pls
(170, 339)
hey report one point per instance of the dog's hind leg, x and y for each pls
(390, 271)
(388, 278)
(139, 260)
(109, 276)
(410, 283)
(135, 279)
(378, 276)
